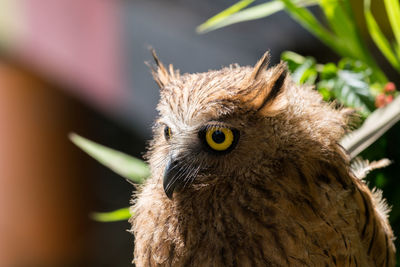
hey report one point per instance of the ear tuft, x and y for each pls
(155, 57)
(266, 95)
(275, 99)
(261, 66)
(277, 80)
(160, 73)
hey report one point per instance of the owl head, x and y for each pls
(218, 126)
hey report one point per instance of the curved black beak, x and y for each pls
(171, 177)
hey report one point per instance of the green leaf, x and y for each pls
(292, 56)
(324, 89)
(329, 71)
(348, 83)
(129, 167)
(336, 42)
(256, 12)
(393, 11)
(350, 89)
(309, 76)
(397, 50)
(379, 38)
(339, 17)
(309, 22)
(293, 60)
(354, 66)
(112, 216)
(305, 71)
(211, 23)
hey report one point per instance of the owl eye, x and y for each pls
(167, 133)
(219, 139)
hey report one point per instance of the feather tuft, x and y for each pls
(361, 167)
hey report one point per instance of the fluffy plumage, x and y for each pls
(284, 195)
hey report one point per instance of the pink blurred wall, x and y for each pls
(77, 44)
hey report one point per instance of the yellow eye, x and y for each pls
(167, 133)
(219, 139)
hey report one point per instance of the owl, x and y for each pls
(246, 170)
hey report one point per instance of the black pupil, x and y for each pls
(167, 132)
(218, 137)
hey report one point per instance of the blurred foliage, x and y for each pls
(113, 216)
(391, 52)
(232, 15)
(349, 81)
(127, 166)
(341, 34)
(133, 169)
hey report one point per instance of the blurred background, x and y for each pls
(78, 66)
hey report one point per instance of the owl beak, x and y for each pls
(171, 180)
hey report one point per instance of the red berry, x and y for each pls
(389, 98)
(390, 87)
(380, 100)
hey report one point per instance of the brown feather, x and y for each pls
(260, 67)
(160, 73)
